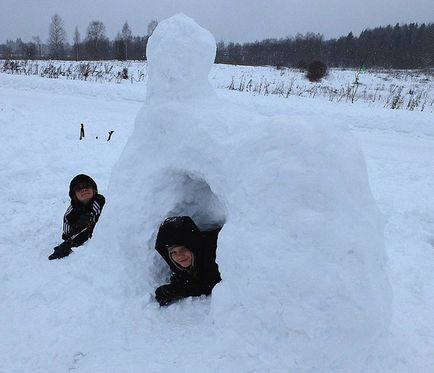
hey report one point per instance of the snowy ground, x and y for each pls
(397, 89)
(40, 152)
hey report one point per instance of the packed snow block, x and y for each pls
(179, 55)
(301, 252)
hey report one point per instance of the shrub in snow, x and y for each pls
(125, 73)
(316, 71)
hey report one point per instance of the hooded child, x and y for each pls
(190, 255)
(81, 216)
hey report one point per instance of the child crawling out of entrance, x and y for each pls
(190, 255)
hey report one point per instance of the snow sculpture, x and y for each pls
(179, 61)
(301, 252)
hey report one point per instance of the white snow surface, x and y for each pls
(301, 252)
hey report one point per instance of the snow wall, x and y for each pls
(301, 253)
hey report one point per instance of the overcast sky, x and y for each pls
(228, 20)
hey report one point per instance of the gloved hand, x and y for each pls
(166, 294)
(64, 249)
(190, 286)
(84, 221)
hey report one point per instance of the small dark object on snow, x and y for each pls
(125, 73)
(81, 131)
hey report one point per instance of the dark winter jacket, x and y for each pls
(79, 220)
(204, 274)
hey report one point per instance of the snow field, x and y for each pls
(398, 89)
(38, 336)
(94, 312)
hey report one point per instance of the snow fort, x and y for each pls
(301, 251)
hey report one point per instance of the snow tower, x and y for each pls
(301, 251)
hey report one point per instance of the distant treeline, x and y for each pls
(401, 47)
(94, 46)
(408, 46)
(84, 51)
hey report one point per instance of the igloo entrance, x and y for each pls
(187, 194)
(195, 198)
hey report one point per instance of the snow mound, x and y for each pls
(301, 252)
(180, 56)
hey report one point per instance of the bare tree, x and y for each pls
(151, 26)
(56, 37)
(37, 41)
(77, 40)
(28, 50)
(6, 51)
(126, 37)
(96, 40)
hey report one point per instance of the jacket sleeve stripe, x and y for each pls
(96, 208)
(66, 227)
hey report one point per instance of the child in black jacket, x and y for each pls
(81, 216)
(190, 255)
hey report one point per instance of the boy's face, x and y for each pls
(182, 256)
(84, 193)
